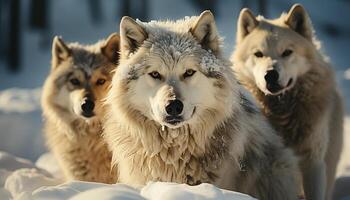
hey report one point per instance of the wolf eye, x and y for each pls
(189, 73)
(258, 54)
(100, 81)
(74, 81)
(286, 53)
(155, 75)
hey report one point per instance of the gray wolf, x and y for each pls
(280, 62)
(176, 113)
(72, 107)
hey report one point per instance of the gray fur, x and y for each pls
(225, 143)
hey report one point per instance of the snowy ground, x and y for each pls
(21, 179)
(20, 114)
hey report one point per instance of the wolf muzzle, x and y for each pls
(271, 78)
(174, 110)
(87, 107)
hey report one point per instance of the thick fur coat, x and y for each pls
(217, 134)
(303, 104)
(72, 107)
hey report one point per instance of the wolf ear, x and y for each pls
(60, 51)
(111, 48)
(132, 35)
(246, 24)
(204, 30)
(298, 20)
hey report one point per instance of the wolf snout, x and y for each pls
(271, 78)
(174, 120)
(174, 107)
(87, 107)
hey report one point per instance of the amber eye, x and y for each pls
(286, 53)
(189, 73)
(100, 81)
(258, 54)
(74, 81)
(155, 75)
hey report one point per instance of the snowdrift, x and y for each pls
(23, 180)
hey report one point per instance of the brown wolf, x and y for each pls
(72, 107)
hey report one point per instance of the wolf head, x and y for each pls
(80, 76)
(170, 72)
(272, 54)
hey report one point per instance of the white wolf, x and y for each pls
(72, 107)
(176, 113)
(280, 63)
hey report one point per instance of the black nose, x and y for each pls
(271, 77)
(174, 107)
(88, 107)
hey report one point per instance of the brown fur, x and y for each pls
(76, 140)
(309, 116)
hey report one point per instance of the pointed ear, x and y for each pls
(246, 24)
(111, 48)
(298, 20)
(132, 35)
(205, 31)
(60, 51)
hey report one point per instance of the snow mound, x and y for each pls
(79, 190)
(27, 180)
(121, 192)
(174, 191)
(22, 180)
(11, 163)
(344, 162)
(48, 162)
(347, 74)
(20, 100)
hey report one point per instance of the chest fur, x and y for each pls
(183, 157)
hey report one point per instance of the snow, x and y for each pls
(174, 191)
(10, 163)
(20, 100)
(210, 63)
(27, 180)
(344, 163)
(153, 191)
(50, 164)
(21, 179)
(347, 74)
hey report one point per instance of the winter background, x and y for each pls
(25, 62)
